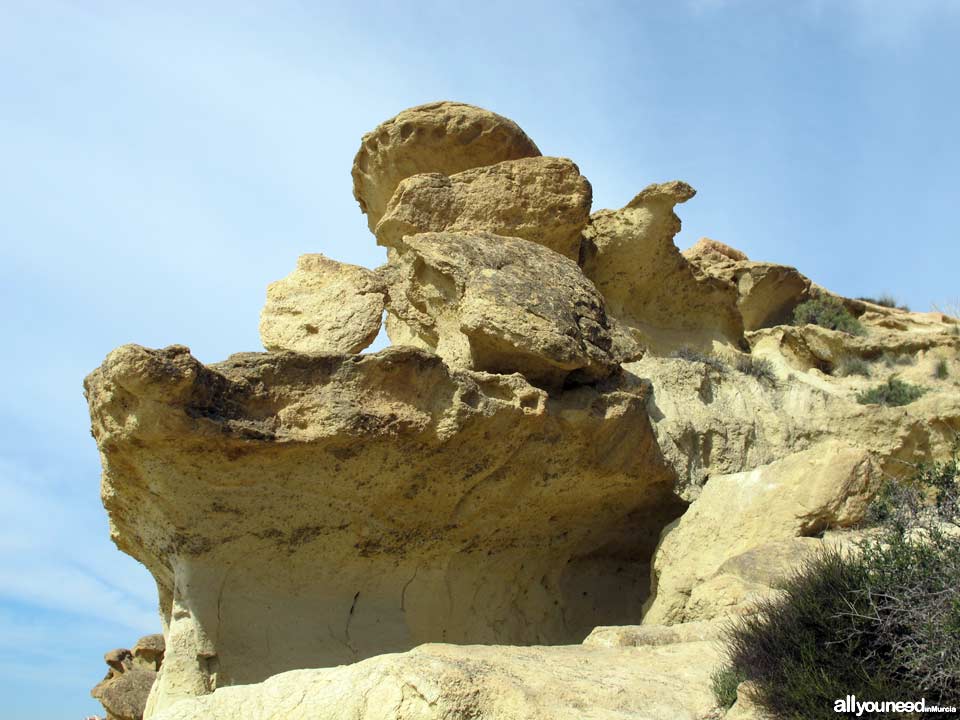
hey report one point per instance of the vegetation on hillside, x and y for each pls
(881, 622)
(854, 366)
(893, 393)
(760, 368)
(829, 312)
(886, 300)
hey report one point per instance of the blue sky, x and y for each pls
(161, 163)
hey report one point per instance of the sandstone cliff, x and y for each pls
(579, 435)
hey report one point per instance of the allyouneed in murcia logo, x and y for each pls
(850, 704)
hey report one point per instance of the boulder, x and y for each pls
(543, 199)
(701, 566)
(480, 302)
(312, 510)
(649, 286)
(440, 137)
(767, 293)
(323, 306)
(447, 682)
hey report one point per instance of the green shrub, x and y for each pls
(724, 683)
(942, 370)
(882, 623)
(892, 393)
(828, 312)
(760, 368)
(691, 355)
(854, 366)
(893, 359)
(886, 300)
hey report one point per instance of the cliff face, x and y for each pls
(559, 439)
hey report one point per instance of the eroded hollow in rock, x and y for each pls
(312, 510)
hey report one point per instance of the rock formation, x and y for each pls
(766, 293)
(568, 441)
(544, 200)
(650, 287)
(442, 137)
(477, 301)
(323, 306)
(124, 691)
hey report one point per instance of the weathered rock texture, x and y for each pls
(767, 293)
(323, 306)
(123, 692)
(479, 301)
(445, 682)
(442, 137)
(737, 513)
(650, 287)
(545, 200)
(554, 451)
(302, 511)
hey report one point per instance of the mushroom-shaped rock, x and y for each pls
(649, 286)
(123, 692)
(544, 199)
(441, 137)
(767, 292)
(323, 306)
(304, 511)
(503, 305)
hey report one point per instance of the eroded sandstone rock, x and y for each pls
(767, 293)
(440, 137)
(323, 306)
(443, 682)
(654, 635)
(542, 199)
(310, 510)
(124, 691)
(649, 286)
(500, 304)
(700, 565)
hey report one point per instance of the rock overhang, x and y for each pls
(364, 503)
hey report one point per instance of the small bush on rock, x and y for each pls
(881, 623)
(760, 368)
(893, 359)
(828, 312)
(854, 366)
(892, 393)
(724, 683)
(886, 300)
(691, 355)
(942, 370)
